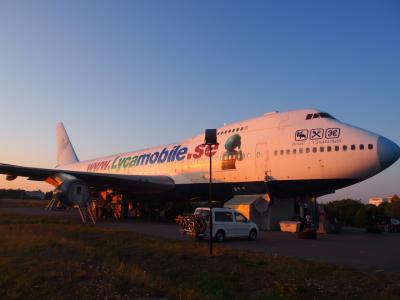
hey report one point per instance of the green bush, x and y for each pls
(390, 209)
(354, 213)
(344, 210)
(365, 215)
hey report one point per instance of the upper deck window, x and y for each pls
(326, 115)
(319, 115)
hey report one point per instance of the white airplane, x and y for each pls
(301, 152)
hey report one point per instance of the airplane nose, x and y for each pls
(388, 152)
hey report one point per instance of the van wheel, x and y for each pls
(220, 236)
(253, 235)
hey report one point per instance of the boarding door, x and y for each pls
(262, 157)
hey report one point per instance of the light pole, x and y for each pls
(210, 139)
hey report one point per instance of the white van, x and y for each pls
(227, 223)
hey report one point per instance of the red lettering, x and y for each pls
(199, 150)
(214, 149)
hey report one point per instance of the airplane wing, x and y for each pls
(137, 184)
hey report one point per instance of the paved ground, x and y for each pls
(354, 248)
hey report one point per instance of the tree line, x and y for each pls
(354, 213)
(19, 194)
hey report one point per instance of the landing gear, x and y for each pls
(85, 212)
(88, 211)
(53, 204)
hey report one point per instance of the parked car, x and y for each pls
(384, 224)
(227, 223)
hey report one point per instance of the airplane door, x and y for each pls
(262, 156)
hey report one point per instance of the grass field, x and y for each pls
(48, 258)
(22, 203)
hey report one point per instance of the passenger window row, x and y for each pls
(321, 149)
(232, 130)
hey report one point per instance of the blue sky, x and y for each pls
(124, 75)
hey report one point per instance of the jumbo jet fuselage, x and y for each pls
(302, 152)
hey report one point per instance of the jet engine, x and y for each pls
(73, 192)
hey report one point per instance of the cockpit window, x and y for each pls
(319, 115)
(326, 115)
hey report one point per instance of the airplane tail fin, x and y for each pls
(65, 151)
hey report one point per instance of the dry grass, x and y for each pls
(44, 258)
(22, 203)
